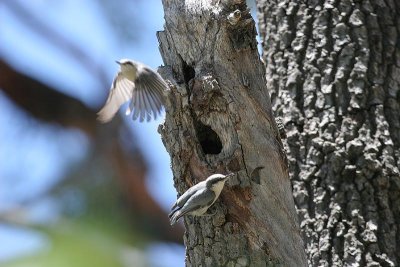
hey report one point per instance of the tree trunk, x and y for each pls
(333, 68)
(218, 120)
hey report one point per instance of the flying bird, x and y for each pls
(139, 84)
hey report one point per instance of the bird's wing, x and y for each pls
(183, 198)
(197, 201)
(148, 95)
(120, 92)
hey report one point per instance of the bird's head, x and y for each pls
(217, 180)
(126, 64)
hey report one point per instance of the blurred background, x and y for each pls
(74, 192)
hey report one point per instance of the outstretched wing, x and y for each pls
(121, 92)
(148, 95)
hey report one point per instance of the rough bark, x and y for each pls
(333, 68)
(219, 119)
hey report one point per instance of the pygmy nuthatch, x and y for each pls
(197, 199)
(139, 84)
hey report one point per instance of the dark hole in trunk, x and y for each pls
(188, 72)
(209, 140)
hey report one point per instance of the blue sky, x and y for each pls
(33, 59)
(26, 144)
(82, 23)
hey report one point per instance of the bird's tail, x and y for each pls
(174, 216)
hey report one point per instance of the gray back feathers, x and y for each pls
(198, 198)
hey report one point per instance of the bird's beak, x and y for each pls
(229, 175)
(119, 63)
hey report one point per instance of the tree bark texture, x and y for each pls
(333, 69)
(218, 120)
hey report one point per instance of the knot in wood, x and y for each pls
(234, 17)
(206, 95)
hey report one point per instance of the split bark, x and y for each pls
(218, 120)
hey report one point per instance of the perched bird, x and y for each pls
(139, 84)
(197, 199)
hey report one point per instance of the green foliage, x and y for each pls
(73, 243)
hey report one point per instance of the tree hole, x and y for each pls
(188, 72)
(209, 140)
